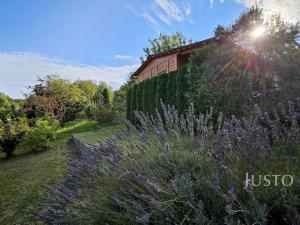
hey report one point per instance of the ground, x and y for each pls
(22, 178)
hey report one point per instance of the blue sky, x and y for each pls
(97, 39)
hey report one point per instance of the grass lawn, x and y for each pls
(23, 176)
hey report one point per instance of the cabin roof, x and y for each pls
(183, 48)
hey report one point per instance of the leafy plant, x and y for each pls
(104, 115)
(38, 138)
(11, 132)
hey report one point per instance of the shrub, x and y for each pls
(128, 104)
(11, 132)
(38, 138)
(133, 102)
(139, 97)
(104, 115)
(171, 88)
(184, 171)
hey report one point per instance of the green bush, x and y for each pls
(11, 132)
(104, 115)
(38, 138)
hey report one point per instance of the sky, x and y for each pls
(102, 40)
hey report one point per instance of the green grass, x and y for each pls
(23, 176)
(95, 136)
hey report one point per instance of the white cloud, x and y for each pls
(289, 9)
(123, 57)
(168, 11)
(162, 11)
(152, 22)
(18, 70)
(187, 9)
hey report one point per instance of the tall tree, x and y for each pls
(55, 97)
(88, 87)
(106, 100)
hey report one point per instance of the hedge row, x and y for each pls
(171, 88)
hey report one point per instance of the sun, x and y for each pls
(258, 32)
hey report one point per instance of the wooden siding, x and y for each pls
(158, 66)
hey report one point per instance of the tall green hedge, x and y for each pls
(153, 93)
(139, 97)
(182, 88)
(133, 103)
(171, 88)
(128, 103)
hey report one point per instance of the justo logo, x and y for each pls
(268, 180)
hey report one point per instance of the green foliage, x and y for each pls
(120, 99)
(146, 96)
(171, 88)
(162, 91)
(10, 108)
(152, 95)
(88, 87)
(128, 104)
(65, 100)
(103, 95)
(56, 97)
(11, 132)
(38, 138)
(164, 43)
(182, 89)
(219, 81)
(133, 102)
(104, 115)
(234, 76)
(231, 76)
(140, 97)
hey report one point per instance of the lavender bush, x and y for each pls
(187, 169)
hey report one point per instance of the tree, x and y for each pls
(105, 95)
(55, 97)
(275, 43)
(164, 43)
(120, 99)
(276, 35)
(10, 108)
(88, 87)
(98, 97)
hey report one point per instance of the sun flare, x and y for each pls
(258, 32)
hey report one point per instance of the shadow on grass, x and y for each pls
(20, 155)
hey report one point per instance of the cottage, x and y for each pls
(169, 61)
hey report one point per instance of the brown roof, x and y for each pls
(178, 49)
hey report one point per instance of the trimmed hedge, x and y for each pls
(171, 88)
